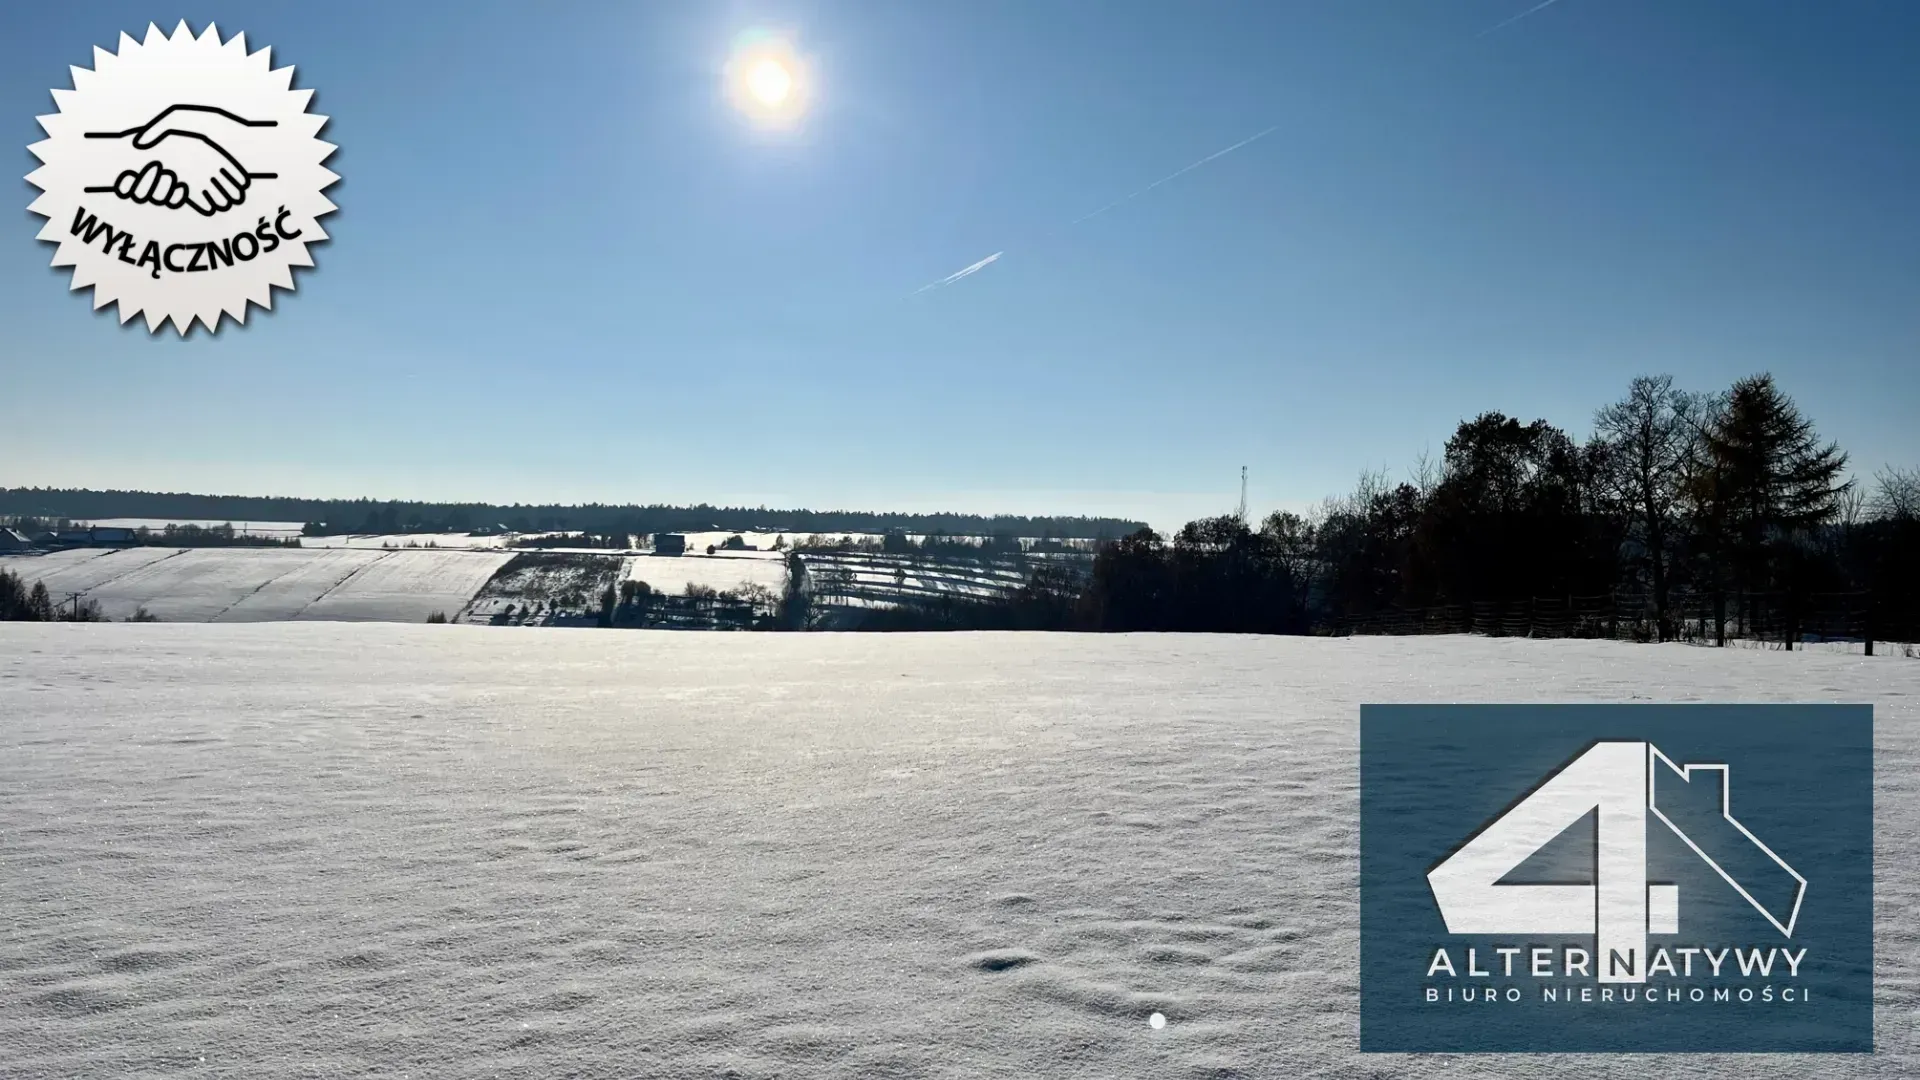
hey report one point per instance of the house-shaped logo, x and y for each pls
(1620, 784)
(1616, 878)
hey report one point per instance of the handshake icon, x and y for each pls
(186, 166)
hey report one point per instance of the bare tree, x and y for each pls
(763, 600)
(1897, 496)
(1371, 484)
(1651, 435)
(1427, 474)
(1853, 507)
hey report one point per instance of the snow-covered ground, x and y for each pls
(865, 579)
(82, 569)
(263, 584)
(407, 586)
(367, 581)
(244, 528)
(203, 584)
(727, 570)
(303, 850)
(764, 541)
(696, 541)
(402, 540)
(537, 586)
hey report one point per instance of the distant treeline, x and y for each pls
(171, 535)
(936, 544)
(335, 516)
(1705, 516)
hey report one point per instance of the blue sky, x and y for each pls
(564, 268)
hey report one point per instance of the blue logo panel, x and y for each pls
(1616, 878)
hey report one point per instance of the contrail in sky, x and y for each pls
(989, 260)
(1256, 136)
(1176, 175)
(1510, 21)
(958, 274)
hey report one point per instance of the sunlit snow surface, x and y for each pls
(305, 850)
(263, 584)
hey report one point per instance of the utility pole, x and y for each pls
(75, 597)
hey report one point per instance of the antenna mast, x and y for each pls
(1242, 512)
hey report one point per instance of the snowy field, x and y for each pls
(243, 528)
(407, 586)
(673, 573)
(401, 540)
(765, 540)
(263, 584)
(696, 541)
(864, 579)
(537, 586)
(82, 569)
(305, 850)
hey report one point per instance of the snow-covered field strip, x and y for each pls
(83, 569)
(407, 586)
(673, 573)
(401, 540)
(698, 541)
(301, 850)
(196, 584)
(304, 582)
(265, 584)
(244, 528)
(42, 565)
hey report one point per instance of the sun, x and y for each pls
(767, 80)
(770, 82)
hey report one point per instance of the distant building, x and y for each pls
(12, 540)
(669, 544)
(90, 537)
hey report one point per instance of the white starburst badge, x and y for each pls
(183, 178)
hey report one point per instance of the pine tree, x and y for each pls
(39, 603)
(13, 598)
(1768, 481)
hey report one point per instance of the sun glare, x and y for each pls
(767, 81)
(770, 82)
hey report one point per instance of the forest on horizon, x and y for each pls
(339, 516)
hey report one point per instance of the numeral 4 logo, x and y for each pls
(1624, 782)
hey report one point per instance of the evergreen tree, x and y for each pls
(39, 603)
(1767, 482)
(13, 598)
